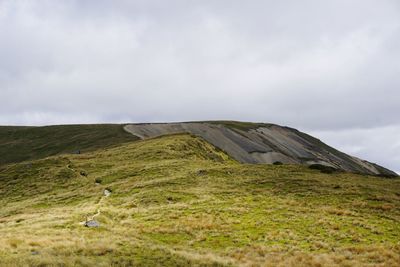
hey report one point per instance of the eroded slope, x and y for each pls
(263, 143)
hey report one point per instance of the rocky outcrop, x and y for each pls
(263, 143)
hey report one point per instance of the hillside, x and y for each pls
(27, 143)
(176, 200)
(243, 141)
(264, 143)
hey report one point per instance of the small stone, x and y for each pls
(92, 223)
(35, 253)
(107, 192)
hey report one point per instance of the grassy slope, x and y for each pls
(176, 201)
(26, 143)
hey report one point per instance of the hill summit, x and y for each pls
(264, 143)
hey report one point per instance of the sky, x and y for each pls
(329, 68)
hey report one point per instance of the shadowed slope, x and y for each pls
(26, 143)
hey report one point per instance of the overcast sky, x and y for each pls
(330, 68)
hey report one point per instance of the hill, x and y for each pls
(177, 200)
(28, 143)
(265, 143)
(244, 141)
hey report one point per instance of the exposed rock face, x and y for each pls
(263, 143)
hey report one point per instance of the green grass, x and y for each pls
(177, 201)
(28, 143)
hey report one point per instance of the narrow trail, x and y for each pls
(98, 211)
(91, 218)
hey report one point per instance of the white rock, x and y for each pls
(107, 192)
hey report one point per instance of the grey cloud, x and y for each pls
(320, 66)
